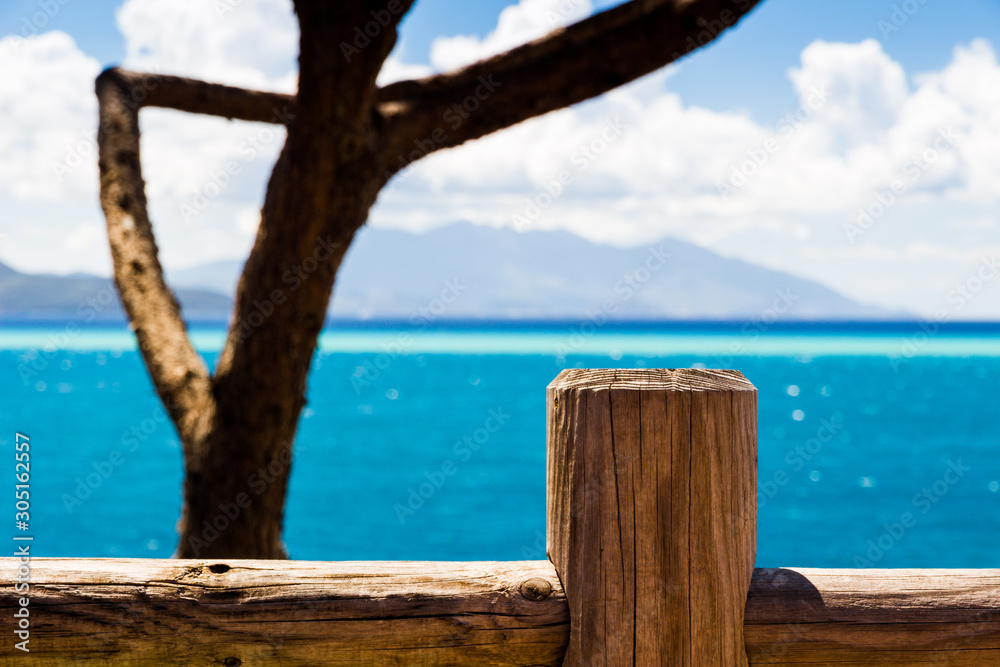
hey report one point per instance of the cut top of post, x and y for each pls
(654, 379)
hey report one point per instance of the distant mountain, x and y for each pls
(464, 271)
(83, 298)
(499, 273)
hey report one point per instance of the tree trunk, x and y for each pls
(260, 380)
(346, 138)
(319, 195)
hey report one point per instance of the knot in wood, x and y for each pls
(535, 589)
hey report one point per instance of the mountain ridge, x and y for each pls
(467, 272)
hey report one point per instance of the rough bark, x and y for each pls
(567, 66)
(322, 187)
(178, 372)
(345, 139)
(193, 96)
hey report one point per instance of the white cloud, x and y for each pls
(861, 124)
(48, 155)
(48, 122)
(48, 112)
(250, 43)
(517, 24)
(967, 94)
(394, 69)
(866, 88)
(922, 250)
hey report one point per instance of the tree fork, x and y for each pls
(345, 136)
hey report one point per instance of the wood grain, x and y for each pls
(245, 612)
(850, 618)
(182, 612)
(652, 513)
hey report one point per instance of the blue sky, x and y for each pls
(746, 69)
(870, 103)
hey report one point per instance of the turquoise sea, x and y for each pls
(879, 444)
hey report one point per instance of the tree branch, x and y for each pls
(178, 372)
(567, 66)
(344, 45)
(213, 99)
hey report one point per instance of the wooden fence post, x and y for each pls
(652, 480)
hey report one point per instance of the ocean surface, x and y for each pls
(879, 445)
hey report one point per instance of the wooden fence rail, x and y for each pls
(145, 611)
(849, 618)
(651, 535)
(245, 612)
